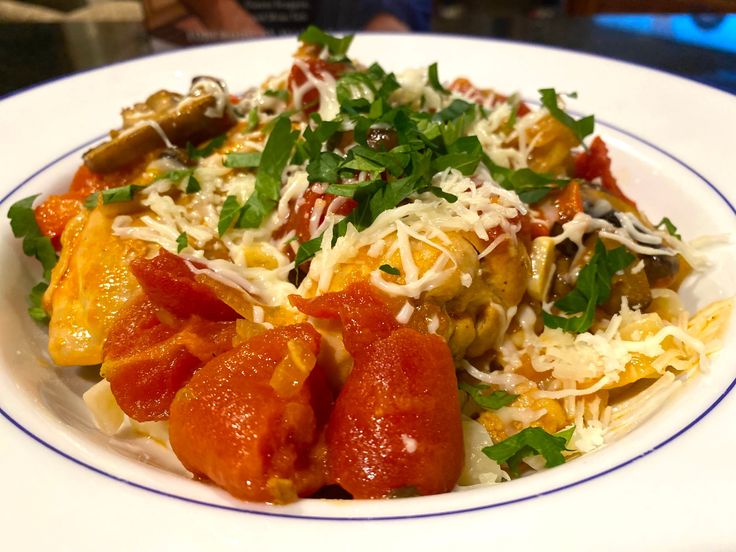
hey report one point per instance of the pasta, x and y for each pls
(353, 281)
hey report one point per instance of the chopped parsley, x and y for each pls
(206, 150)
(580, 127)
(514, 102)
(182, 241)
(593, 288)
(434, 80)
(242, 160)
(337, 47)
(530, 186)
(253, 119)
(489, 401)
(528, 442)
(193, 185)
(35, 244)
(175, 176)
(35, 297)
(669, 226)
(282, 95)
(388, 269)
(228, 213)
(262, 201)
(113, 195)
(463, 154)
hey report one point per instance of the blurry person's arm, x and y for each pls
(225, 15)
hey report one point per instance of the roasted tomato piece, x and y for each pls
(365, 318)
(318, 68)
(55, 212)
(311, 210)
(170, 284)
(147, 361)
(396, 423)
(568, 202)
(237, 423)
(595, 163)
(464, 86)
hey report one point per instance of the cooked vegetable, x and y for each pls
(396, 422)
(489, 401)
(530, 441)
(187, 122)
(542, 258)
(593, 288)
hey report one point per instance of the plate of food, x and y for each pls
(390, 287)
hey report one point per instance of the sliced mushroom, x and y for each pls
(189, 120)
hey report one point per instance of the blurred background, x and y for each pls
(43, 39)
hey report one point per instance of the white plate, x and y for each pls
(668, 484)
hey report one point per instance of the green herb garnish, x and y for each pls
(514, 102)
(282, 95)
(35, 297)
(528, 442)
(434, 80)
(580, 127)
(593, 288)
(388, 269)
(267, 190)
(113, 195)
(463, 154)
(253, 119)
(324, 168)
(489, 401)
(193, 185)
(181, 242)
(206, 150)
(228, 213)
(529, 185)
(35, 244)
(669, 226)
(175, 176)
(242, 160)
(338, 47)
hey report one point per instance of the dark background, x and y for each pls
(49, 38)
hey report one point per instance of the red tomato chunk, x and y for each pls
(232, 425)
(396, 423)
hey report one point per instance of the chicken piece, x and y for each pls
(473, 316)
(499, 286)
(359, 268)
(89, 286)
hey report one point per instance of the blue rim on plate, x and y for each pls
(159, 492)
